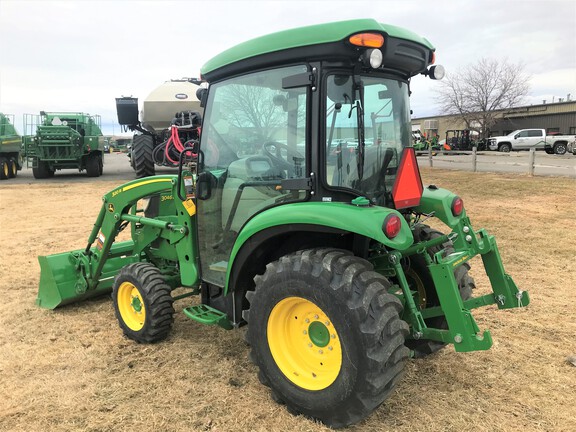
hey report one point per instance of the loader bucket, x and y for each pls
(62, 280)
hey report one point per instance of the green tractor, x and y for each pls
(322, 253)
(64, 140)
(10, 148)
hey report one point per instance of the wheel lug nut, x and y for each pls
(320, 352)
(305, 332)
(307, 320)
(316, 317)
(329, 348)
(310, 345)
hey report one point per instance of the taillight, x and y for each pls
(391, 226)
(457, 206)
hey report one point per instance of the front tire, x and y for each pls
(141, 155)
(4, 169)
(93, 165)
(142, 303)
(326, 335)
(42, 171)
(505, 148)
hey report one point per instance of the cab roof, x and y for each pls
(320, 34)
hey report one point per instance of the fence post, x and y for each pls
(474, 158)
(531, 161)
(430, 154)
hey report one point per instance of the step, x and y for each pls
(205, 314)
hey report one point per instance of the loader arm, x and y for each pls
(75, 275)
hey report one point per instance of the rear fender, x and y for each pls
(366, 221)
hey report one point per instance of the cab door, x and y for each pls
(253, 139)
(521, 141)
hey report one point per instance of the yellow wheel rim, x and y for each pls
(304, 343)
(131, 306)
(5, 169)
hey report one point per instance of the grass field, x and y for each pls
(72, 370)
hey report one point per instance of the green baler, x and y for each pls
(10, 148)
(64, 140)
(320, 249)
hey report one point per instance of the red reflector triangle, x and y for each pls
(408, 188)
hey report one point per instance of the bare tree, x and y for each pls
(477, 92)
(253, 107)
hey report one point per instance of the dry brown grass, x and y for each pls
(71, 369)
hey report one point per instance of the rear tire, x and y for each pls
(141, 155)
(560, 148)
(326, 335)
(420, 281)
(142, 303)
(12, 168)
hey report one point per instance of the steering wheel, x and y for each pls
(274, 151)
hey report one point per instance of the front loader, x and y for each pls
(321, 251)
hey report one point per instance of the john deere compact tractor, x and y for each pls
(303, 219)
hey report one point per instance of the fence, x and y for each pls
(526, 162)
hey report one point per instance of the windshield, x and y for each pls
(367, 126)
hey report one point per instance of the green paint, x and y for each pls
(136, 304)
(10, 140)
(361, 201)
(319, 334)
(366, 221)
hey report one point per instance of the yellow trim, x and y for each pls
(306, 364)
(13, 141)
(142, 183)
(127, 295)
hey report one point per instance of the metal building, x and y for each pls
(554, 117)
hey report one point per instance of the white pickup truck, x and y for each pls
(525, 139)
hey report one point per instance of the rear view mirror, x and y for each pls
(204, 186)
(202, 94)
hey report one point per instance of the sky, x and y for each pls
(77, 55)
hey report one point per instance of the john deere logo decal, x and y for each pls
(111, 208)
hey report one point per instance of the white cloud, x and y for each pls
(80, 55)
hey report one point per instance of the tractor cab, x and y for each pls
(326, 121)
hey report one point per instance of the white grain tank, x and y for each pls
(161, 105)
